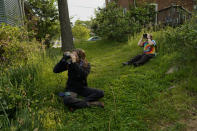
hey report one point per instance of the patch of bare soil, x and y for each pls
(192, 124)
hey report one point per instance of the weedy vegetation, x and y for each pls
(142, 98)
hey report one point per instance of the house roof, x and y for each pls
(176, 6)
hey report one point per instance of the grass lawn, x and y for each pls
(135, 98)
(142, 98)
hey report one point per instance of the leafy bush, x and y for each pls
(18, 75)
(80, 32)
(42, 18)
(15, 46)
(182, 39)
(114, 23)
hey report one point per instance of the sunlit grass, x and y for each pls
(135, 98)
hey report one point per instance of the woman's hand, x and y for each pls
(150, 39)
(74, 57)
(148, 36)
(140, 42)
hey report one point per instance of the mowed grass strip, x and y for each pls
(135, 98)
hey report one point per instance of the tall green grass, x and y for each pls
(135, 98)
(139, 98)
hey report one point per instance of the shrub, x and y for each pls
(18, 74)
(15, 46)
(182, 39)
(115, 23)
(80, 32)
(42, 18)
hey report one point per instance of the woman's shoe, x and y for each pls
(135, 64)
(96, 103)
(125, 63)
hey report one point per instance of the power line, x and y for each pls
(84, 7)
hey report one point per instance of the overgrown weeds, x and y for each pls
(143, 98)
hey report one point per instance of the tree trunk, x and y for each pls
(134, 3)
(66, 33)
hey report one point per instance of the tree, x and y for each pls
(112, 22)
(81, 32)
(66, 33)
(42, 18)
(87, 24)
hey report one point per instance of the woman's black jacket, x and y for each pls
(77, 74)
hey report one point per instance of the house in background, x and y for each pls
(12, 12)
(169, 12)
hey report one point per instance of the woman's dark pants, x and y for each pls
(90, 94)
(140, 59)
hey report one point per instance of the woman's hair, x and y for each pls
(82, 57)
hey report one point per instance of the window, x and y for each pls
(124, 11)
(195, 7)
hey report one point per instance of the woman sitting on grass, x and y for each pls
(149, 51)
(78, 70)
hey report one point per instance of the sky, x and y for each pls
(83, 9)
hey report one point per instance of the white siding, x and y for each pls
(2, 12)
(12, 10)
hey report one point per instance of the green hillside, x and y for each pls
(141, 98)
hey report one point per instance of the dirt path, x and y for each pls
(192, 124)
